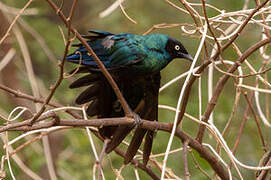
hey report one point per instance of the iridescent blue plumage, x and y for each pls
(136, 53)
(135, 62)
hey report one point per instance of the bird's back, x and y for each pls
(124, 53)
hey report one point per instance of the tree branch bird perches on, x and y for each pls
(135, 62)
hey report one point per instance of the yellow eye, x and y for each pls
(177, 47)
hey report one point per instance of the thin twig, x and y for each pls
(245, 117)
(256, 118)
(19, 94)
(186, 170)
(198, 166)
(14, 21)
(126, 15)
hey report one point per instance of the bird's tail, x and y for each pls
(150, 114)
(119, 135)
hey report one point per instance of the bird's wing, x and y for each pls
(103, 101)
(114, 50)
(98, 92)
(142, 97)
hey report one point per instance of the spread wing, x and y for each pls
(141, 95)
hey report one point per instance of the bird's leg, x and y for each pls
(137, 119)
(135, 116)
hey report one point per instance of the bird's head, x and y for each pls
(177, 50)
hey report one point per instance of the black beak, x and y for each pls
(188, 57)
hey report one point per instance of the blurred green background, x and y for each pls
(71, 148)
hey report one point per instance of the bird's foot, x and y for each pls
(137, 119)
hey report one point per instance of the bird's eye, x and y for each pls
(177, 47)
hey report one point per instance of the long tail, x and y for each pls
(120, 133)
(150, 112)
(148, 146)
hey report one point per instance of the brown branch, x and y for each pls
(151, 125)
(266, 31)
(25, 125)
(209, 26)
(245, 117)
(190, 12)
(186, 170)
(19, 94)
(256, 118)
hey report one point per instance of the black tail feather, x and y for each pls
(120, 134)
(147, 146)
(93, 109)
(89, 94)
(99, 34)
(134, 144)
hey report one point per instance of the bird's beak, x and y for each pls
(188, 57)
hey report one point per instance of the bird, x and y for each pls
(134, 62)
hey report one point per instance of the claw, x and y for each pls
(137, 119)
